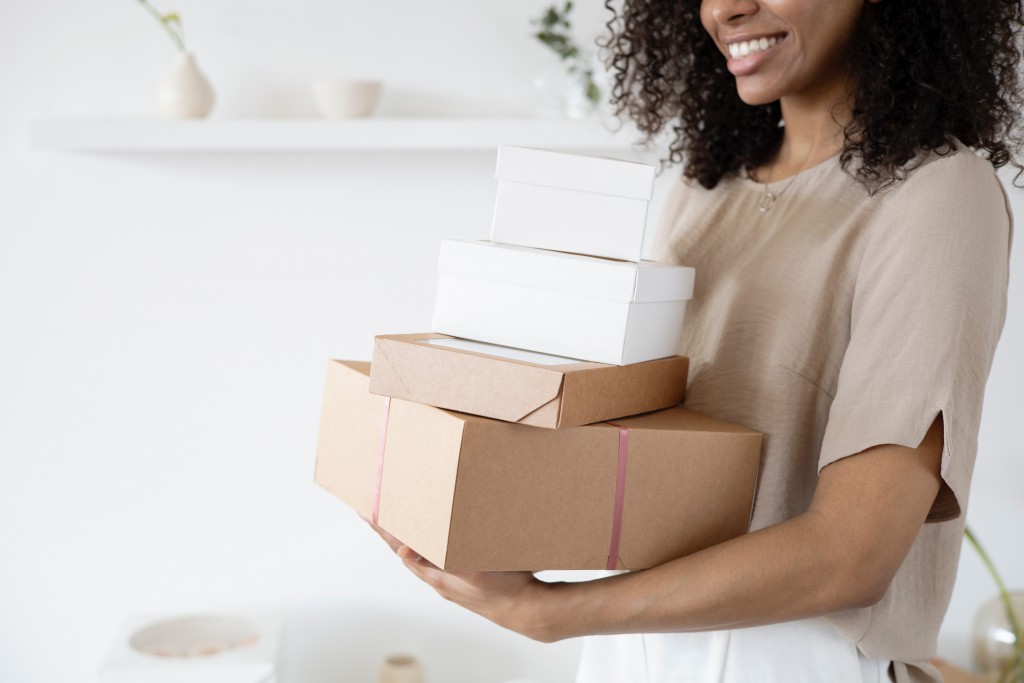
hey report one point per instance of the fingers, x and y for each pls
(421, 567)
(393, 542)
(410, 556)
(426, 571)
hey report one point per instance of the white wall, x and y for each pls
(165, 320)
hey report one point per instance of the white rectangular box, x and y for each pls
(582, 307)
(568, 202)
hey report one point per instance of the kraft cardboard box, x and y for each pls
(571, 202)
(519, 386)
(581, 307)
(472, 493)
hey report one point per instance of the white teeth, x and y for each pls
(749, 47)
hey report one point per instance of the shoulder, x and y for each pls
(954, 195)
(955, 179)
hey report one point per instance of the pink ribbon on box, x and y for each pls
(620, 482)
(620, 495)
(380, 459)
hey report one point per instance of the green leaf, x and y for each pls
(562, 45)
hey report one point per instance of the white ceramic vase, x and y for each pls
(184, 93)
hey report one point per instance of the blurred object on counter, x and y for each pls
(235, 647)
(400, 668)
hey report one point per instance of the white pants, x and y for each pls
(807, 651)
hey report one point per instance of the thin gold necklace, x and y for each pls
(769, 197)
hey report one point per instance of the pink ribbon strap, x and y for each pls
(380, 459)
(620, 496)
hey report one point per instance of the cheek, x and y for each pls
(837, 26)
(706, 18)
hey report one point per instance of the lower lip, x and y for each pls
(742, 66)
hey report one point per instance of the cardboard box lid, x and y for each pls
(575, 274)
(602, 175)
(509, 384)
(513, 388)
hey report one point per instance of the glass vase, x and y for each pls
(574, 89)
(995, 644)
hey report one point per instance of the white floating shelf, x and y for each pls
(319, 135)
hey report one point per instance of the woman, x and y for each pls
(852, 256)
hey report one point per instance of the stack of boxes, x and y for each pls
(486, 445)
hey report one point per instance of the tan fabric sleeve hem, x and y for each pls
(903, 422)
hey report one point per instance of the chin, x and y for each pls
(756, 96)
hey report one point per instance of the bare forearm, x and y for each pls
(785, 572)
(841, 554)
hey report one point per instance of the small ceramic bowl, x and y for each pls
(346, 99)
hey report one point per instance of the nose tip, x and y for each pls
(729, 11)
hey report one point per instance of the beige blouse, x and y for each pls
(837, 321)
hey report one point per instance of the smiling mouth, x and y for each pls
(753, 46)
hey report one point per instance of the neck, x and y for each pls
(813, 131)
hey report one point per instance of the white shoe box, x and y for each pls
(568, 202)
(581, 307)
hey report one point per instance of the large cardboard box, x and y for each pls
(580, 307)
(471, 493)
(569, 202)
(520, 386)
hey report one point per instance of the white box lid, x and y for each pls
(575, 172)
(555, 271)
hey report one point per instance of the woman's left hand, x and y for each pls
(515, 600)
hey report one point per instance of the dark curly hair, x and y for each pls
(927, 73)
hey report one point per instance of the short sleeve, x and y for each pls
(927, 311)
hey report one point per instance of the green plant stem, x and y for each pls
(179, 40)
(555, 34)
(1017, 661)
